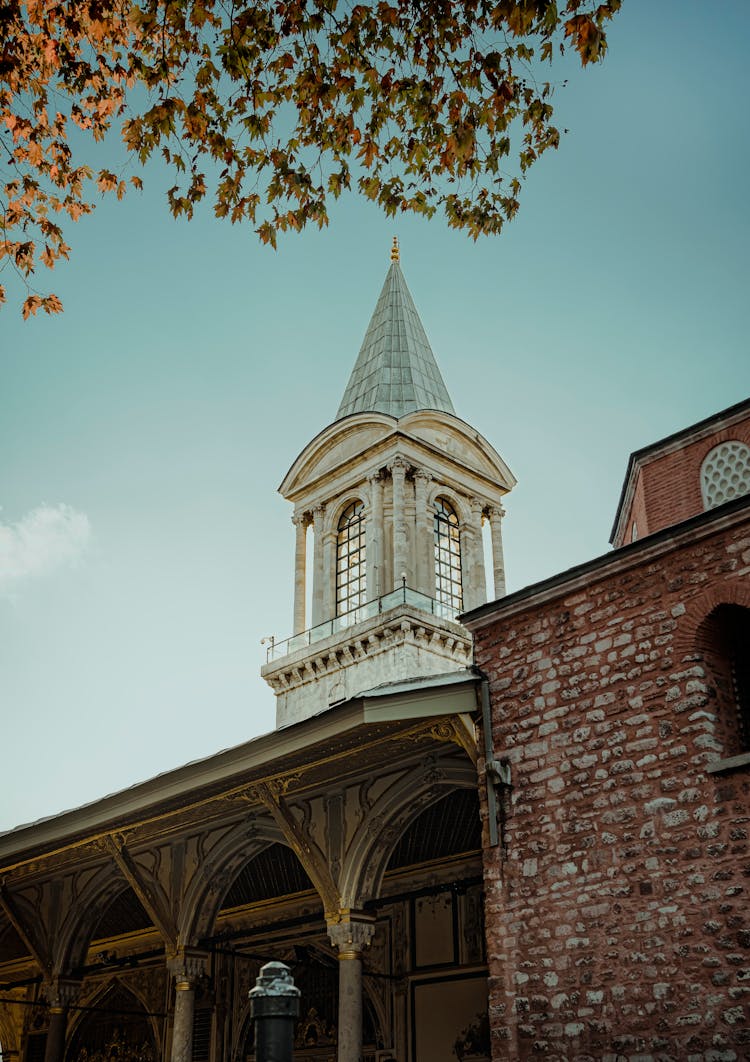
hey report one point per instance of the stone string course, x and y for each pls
(617, 906)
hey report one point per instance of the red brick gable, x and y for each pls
(663, 482)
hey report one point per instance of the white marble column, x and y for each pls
(318, 571)
(397, 469)
(186, 967)
(329, 574)
(424, 546)
(477, 577)
(498, 563)
(375, 536)
(350, 937)
(300, 521)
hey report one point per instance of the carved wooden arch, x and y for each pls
(700, 608)
(26, 914)
(79, 1017)
(384, 823)
(209, 886)
(81, 920)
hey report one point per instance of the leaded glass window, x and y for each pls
(351, 575)
(725, 473)
(448, 589)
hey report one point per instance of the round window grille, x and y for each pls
(725, 473)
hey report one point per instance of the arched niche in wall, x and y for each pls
(11, 945)
(116, 1027)
(125, 914)
(723, 639)
(274, 873)
(450, 826)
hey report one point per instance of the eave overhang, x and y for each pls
(387, 713)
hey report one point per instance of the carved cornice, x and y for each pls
(449, 643)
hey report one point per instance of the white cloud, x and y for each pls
(46, 538)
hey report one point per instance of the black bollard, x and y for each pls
(274, 1007)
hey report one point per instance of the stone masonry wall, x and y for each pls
(617, 913)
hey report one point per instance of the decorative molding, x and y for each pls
(144, 890)
(351, 935)
(458, 730)
(16, 919)
(448, 643)
(60, 992)
(303, 846)
(187, 967)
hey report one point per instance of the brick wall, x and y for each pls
(668, 489)
(617, 913)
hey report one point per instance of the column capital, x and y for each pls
(352, 935)
(187, 967)
(374, 477)
(318, 510)
(498, 511)
(301, 519)
(60, 992)
(476, 505)
(397, 466)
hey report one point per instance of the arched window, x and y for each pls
(351, 575)
(725, 473)
(724, 642)
(448, 589)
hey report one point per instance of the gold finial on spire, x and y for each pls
(395, 253)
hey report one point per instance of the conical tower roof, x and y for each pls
(395, 372)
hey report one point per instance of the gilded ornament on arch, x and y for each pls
(314, 1031)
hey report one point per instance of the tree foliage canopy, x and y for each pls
(279, 105)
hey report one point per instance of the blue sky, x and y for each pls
(143, 434)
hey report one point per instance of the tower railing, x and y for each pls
(403, 595)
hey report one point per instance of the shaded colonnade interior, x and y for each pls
(427, 947)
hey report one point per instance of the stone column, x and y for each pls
(318, 570)
(300, 521)
(424, 547)
(329, 574)
(186, 967)
(374, 530)
(498, 564)
(397, 468)
(350, 937)
(60, 994)
(477, 582)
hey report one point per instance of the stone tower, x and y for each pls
(395, 493)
